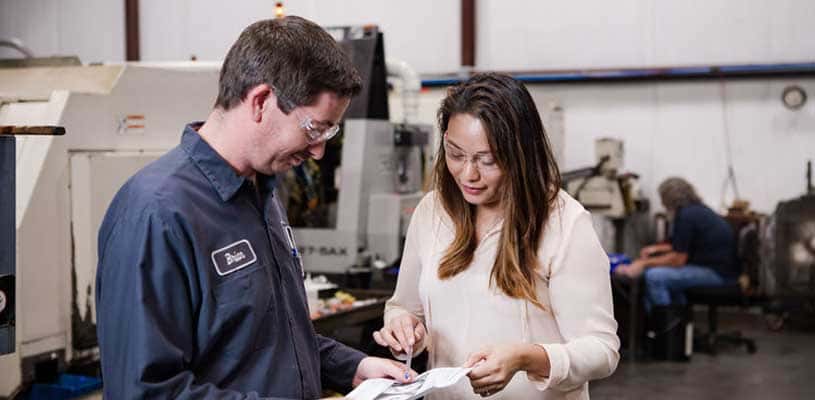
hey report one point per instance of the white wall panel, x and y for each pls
(165, 30)
(26, 20)
(712, 32)
(791, 30)
(90, 29)
(424, 33)
(563, 34)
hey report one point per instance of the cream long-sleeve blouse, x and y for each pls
(462, 314)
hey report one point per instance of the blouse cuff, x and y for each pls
(558, 366)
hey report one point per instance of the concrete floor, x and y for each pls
(782, 368)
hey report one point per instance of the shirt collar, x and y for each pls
(219, 173)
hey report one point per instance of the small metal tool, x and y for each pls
(409, 352)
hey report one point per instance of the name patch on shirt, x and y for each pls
(233, 257)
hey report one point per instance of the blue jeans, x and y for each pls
(666, 285)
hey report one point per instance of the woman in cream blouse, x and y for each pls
(502, 271)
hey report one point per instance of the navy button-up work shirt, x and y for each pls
(707, 239)
(198, 292)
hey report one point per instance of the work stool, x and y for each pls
(714, 297)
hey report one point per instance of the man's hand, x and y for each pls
(493, 368)
(652, 250)
(400, 333)
(632, 270)
(375, 367)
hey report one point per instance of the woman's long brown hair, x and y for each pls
(529, 190)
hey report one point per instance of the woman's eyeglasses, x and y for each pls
(456, 157)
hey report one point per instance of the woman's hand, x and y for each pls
(400, 333)
(493, 367)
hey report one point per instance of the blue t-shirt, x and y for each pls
(707, 239)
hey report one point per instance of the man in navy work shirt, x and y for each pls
(198, 291)
(701, 252)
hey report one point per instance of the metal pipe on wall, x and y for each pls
(468, 33)
(132, 30)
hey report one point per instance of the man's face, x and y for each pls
(282, 142)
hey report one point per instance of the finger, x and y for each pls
(482, 391)
(390, 339)
(407, 332)
(398, 371)
(489, 390)
(483, 385)
(412, 374)
(398, 335)
(474, 358)
(419, 332)
(382, 339)
(379, 339)
(393, 339)
(484, 375)
(484, 382)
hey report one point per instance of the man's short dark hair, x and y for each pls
(293, 55)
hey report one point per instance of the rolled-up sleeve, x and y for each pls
(145, 313)
(580, 293)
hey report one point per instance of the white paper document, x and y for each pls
(389, 389)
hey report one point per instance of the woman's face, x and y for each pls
(470, 161)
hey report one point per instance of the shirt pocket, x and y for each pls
(244, 312)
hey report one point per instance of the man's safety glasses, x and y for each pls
(316, 131)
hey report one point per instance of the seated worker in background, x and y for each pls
(502, 271)
(199, 289)
(701, 252)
